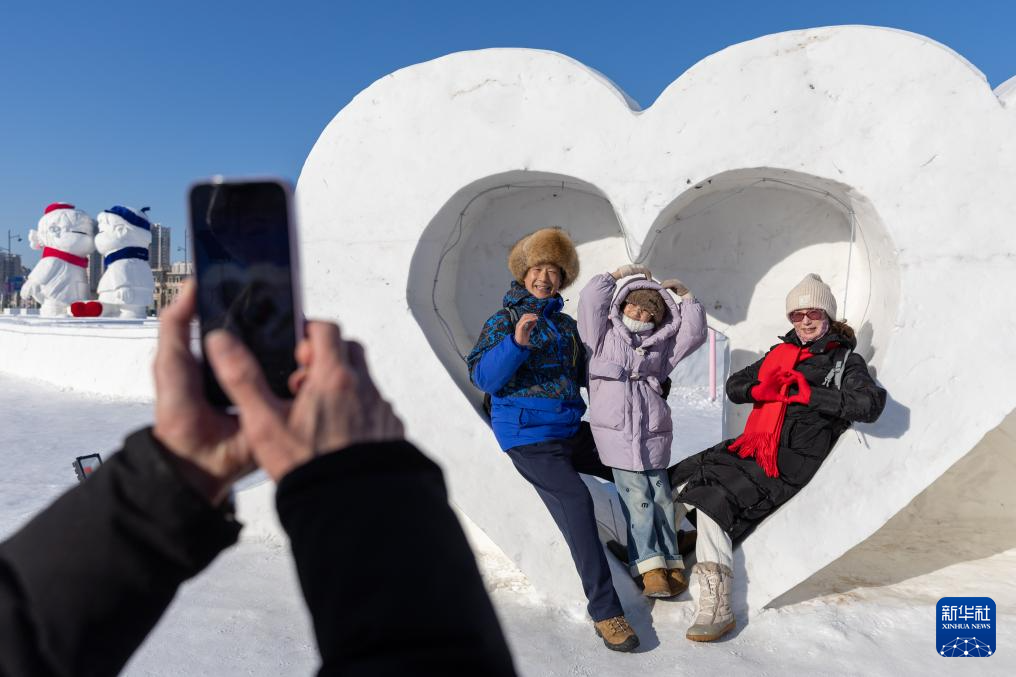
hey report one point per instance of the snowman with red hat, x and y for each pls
(127, 287)
(65, 236)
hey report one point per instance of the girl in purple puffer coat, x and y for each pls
(634, 339)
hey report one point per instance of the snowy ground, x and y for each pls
(244, 615)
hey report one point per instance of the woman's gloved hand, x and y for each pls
(803, 395)
(678, 287)
(772, 388)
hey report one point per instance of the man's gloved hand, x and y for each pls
(630, 269)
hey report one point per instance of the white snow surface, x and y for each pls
(244, 615)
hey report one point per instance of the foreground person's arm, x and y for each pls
(387, 573)
(83, 583)
(390, 581)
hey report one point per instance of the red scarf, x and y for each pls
(761, 436)
(79, 261)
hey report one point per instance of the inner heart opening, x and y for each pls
(739, 240)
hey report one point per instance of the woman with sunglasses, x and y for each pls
(805, 392)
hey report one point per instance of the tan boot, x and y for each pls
(678, 583)
(656, 584)
(617, 634)
(714, 618)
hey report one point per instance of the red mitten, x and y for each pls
(803, 395)
(765, 392)
(773, 388)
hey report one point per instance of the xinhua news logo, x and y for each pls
(966, 627)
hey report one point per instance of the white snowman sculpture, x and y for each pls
(65, 237)
(126, 288)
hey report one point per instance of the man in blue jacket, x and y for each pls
(530, 360)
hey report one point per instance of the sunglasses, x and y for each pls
(799, 315)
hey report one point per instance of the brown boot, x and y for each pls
(678, 583)
(655, 584)
(617, 634)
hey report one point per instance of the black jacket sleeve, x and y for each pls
(83, 583)
(740, 383)
(387, 573)
(859, 397)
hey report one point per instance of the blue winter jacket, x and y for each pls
(534, 390)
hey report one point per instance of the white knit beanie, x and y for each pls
(812, 292)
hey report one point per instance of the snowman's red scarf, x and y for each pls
(79, 261)
(761, 436)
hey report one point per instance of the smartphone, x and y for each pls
(245, 264)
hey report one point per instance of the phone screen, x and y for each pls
(243, 265)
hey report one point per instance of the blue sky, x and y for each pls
(127, 102)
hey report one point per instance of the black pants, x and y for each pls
(553, 468)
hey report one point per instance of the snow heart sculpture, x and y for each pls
(127, 286)
(65, 236)
(878, 158)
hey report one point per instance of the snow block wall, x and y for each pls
(109, 357)
(876, 158)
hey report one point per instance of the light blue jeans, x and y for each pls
(649, 510)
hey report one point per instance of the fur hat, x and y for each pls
(812, 292)
(547, 245)
(648, 299)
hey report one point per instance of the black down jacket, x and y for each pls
(735, 491)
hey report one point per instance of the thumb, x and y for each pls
(240, 376)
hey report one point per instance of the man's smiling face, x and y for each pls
(543, 281)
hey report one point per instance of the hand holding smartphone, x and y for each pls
(245, 264)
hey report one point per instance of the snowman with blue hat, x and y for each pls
(127, 288)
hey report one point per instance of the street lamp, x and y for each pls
(184, 247)
(11, 236)
(8, 262)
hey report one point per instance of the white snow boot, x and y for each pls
(714, 618)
